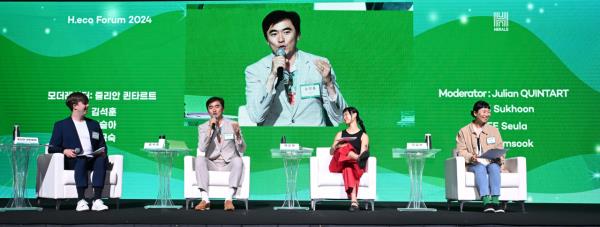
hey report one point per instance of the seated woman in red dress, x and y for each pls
(348, 147)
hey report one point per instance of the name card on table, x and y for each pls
(416, 146)
(27, 140)
(289, 146)
(152, 145)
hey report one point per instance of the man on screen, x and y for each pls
(220, 147)
(81, 140)
(290, 87)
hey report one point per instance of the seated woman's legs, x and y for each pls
(481, 178)
(493, 171)
(351, 183)
(353, 175)
(483, 185)
(344, 161)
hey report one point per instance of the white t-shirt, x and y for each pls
(84, 137)
(478, 131)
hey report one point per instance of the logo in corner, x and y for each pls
(500, 21)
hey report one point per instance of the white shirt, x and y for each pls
(84, 137)
(478, 131)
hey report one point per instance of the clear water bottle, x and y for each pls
(428, 140)
(162, 141)
(16, 132)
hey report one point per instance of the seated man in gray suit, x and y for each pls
(290, 87)
(220, 147)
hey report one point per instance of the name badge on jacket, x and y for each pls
(491, 140)
(228, 136)
(95, 135)
(310, 90)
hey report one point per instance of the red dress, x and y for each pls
(341, 163)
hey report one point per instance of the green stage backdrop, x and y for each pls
(408, 72)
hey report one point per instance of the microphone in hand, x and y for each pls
(287, 80)
(213, 124)
(280, 52)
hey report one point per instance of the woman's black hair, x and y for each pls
(358, 119)
(478, 105)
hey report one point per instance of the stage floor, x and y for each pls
(131, 212)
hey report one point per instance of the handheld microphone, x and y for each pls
(287, 83)
(280, 52)
(213, 125)
(215, 131)
(77, 151)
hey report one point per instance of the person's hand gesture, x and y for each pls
(278, 61)
(236, 130)
(324, 69)
(70, 153)
(474, 159)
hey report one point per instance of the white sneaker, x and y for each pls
(82, 205)
(98, 205)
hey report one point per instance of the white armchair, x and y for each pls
(460, 183)
(325, 185)
(54, 182)
(218, 182)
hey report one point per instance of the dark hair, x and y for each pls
(76, 97)
(358, 119)
(213, 99)
(277, 16)
(478, 105)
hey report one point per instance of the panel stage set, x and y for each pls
(132, 212)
